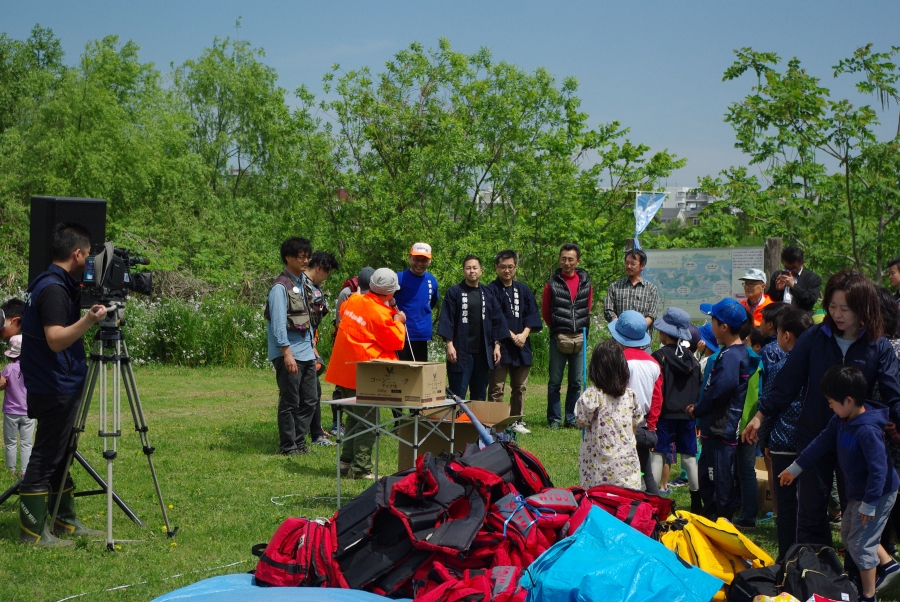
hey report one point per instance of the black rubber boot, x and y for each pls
(696, 503)
(33, 520)
(67, 522)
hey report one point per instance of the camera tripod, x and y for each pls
(109, 357)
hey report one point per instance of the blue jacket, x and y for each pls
(45, 371)
(868, 475)
(815, 352)
(718, 412)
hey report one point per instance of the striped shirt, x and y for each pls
(621, 295)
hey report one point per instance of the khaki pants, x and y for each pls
(518, 379)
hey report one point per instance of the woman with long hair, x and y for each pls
(851, 334)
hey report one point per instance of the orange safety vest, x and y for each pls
(757, 312)
(367, 331)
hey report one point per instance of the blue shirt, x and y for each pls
(416, 298)
(301, 343)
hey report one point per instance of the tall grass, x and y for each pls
(211, 331)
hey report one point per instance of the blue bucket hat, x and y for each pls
(728, 311)
(630, 329)
(676, 323)
(709, 338)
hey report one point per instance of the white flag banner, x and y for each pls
(646, 204)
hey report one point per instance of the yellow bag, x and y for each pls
(716, 547)
(782, 597)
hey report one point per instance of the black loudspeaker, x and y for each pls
(47, 211)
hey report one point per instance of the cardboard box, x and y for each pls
(388, 382)
(490, 414)
(763, 492)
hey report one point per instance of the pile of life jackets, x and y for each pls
(453, 528)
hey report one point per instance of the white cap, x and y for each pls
(423, 249)
(754, 274)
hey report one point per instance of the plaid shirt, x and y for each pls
(622, 295)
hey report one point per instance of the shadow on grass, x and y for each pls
(261, 438)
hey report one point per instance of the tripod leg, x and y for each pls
(140, 425)
(103, 489)
(110, 438)
(14, 490)
(84, 407)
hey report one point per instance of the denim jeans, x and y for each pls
(558, 363)
(786, 501)
(746, 477)
(474, 377)
(716, 473)
(18, 433)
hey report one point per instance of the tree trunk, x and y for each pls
(772, 255)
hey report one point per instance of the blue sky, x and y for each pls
(654, 66)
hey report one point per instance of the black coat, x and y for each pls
(520, 309)
(452, 327)
(804, 294)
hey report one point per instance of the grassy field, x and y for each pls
(216, 440)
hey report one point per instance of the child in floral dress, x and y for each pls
(609, 413)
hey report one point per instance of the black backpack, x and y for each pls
(810, 569)
(750, 583)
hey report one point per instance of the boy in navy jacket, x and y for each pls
(855, 433)
(718, 411)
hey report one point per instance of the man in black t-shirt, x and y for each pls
(54, 368)
(472, 324)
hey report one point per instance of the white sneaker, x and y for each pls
(519, 427)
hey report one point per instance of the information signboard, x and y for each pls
(688, 277)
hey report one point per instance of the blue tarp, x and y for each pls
(240, 588)
(608, 561)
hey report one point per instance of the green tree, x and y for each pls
(787, 126)
(469, 154)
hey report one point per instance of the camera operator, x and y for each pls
(54, 368)
(794, 284)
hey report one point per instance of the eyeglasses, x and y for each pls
(506, 268)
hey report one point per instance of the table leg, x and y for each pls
(415, 440)
(452, 429)
(340, 440)
(377, 421)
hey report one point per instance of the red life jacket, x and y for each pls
(640, 510)
(300, 553)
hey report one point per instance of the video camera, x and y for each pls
(108, 277)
